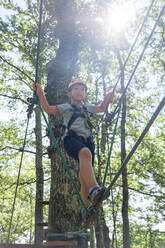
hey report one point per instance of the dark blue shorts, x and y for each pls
(73, 144)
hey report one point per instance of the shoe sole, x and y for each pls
(103, 195)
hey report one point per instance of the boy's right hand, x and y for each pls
(36, 87)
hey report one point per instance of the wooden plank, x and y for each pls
(61, 243)
(50, 244)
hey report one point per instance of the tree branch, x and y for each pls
(18, 69)
(15, 98)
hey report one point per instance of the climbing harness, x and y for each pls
(80, 112)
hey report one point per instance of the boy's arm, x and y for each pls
(109, 97)
(46, 107)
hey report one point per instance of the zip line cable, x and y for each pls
(120, 100)
(30, 109)
(154, 116)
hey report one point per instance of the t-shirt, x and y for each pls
(78, 126)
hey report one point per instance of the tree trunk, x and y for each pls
(64, 206)
(39, 179)
(126, 238)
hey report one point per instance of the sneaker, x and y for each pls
(86, 215)
(95, 194)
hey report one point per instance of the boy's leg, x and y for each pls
(89, 186)
(84, 192)
(87, 176)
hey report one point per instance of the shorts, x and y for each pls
(73, 144)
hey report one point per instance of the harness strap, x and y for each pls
(77, 112)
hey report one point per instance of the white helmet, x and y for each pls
(76, 81)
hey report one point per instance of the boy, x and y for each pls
(77, 138)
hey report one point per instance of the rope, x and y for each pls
(149, 124)
(110, 150)
(18, 177)
(34, 100)
(38, 42)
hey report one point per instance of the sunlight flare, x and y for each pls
(118, 17)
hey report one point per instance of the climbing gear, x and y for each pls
(96, 193)
(81, 112)
(85, 215)
(77, 81)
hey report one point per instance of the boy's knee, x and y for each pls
(85, 153)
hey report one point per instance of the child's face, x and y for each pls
(78, 92)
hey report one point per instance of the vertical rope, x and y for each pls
(38, 42)
(110, 150)
(18, 177)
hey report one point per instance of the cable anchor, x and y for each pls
(32, 102)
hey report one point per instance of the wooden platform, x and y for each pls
(50, 244)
